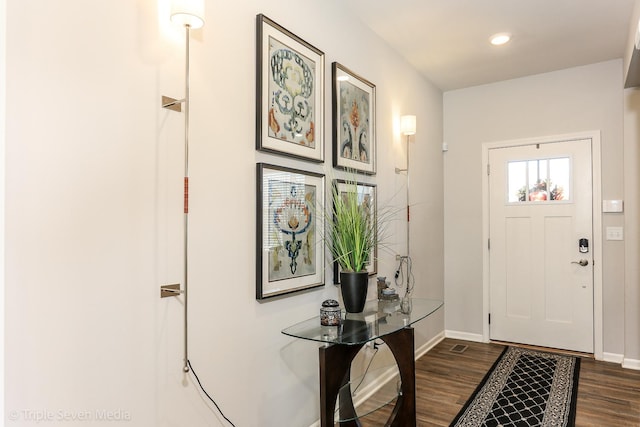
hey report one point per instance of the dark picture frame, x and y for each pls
(368, 194)
(289, 93)
(354, 121)
(289, 245)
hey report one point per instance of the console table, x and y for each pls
(379, 320)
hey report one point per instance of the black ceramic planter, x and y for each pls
(354, 290)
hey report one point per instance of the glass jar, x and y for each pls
(330, 313)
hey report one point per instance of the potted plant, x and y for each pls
(351, 229)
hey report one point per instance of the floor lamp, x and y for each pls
(189, 14)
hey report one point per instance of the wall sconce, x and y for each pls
(408, 128)
(190, 15)
(408, 125)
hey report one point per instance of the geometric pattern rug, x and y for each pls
(524, 388)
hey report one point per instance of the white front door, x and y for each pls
(541, 252)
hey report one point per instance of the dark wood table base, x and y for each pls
(335, 369)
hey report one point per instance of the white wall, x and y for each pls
(631, 37)
(3, 91)
(93, 210)
(632, 207)
(632, 227)
(568, 101)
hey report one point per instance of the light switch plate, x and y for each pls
(615, 233)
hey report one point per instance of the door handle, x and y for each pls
(582, 262)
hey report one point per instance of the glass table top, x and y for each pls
(379, 318)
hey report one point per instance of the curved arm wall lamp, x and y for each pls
(190, 15)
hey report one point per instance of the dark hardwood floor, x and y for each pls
(608, 395)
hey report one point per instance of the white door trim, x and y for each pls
(594, 136)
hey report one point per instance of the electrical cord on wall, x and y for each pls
(207, 394)
(375, 349)
(405, 271)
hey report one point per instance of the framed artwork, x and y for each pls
(367, 199)
(354, 121)
(290, 94)
(290, 249)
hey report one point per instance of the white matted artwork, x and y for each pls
(354, 121)
(290, 94)
(290, 249)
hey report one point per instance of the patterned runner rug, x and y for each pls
(524, 388)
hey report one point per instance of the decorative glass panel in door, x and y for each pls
(539, 180)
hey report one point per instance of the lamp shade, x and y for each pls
(408, 125)
(188, 12)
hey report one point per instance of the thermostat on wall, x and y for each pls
(612, 206)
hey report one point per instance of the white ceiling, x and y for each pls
(448, 40)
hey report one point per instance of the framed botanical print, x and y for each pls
(290, 94)
(354, 121)
(290, 248)
(368, 200)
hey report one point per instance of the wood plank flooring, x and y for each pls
(608, 395)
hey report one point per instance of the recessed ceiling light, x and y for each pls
(500, 39)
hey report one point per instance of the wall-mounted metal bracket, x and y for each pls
(170, 290)
(172, 103)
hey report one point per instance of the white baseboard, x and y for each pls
(631, 364)
(466, 336)
(612, 357)
(429, 345)
(625, 362)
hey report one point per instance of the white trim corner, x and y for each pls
(631, 364)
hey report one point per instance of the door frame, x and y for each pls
(594, 136)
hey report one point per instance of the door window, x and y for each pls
(539, 180)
